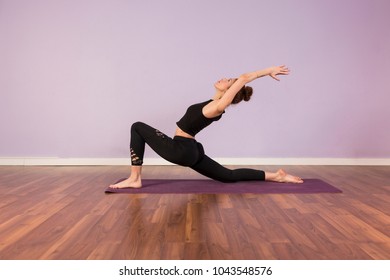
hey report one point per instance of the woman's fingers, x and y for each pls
(284, 69)
(279, 70)
(274, 77)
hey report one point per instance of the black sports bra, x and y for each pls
(194, 121)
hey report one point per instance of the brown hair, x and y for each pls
(245, 94)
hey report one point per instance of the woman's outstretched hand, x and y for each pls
(278, 70)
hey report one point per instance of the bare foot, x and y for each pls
(128, 183)
(283, 177)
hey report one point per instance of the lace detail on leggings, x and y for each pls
(135, 160)
(160, 134)
(142, 134)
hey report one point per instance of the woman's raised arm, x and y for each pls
(273, 72)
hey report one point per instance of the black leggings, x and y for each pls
(186, 152)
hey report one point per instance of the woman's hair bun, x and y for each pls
(248, 93)
(245, 94)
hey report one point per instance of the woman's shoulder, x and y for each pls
(210, 110)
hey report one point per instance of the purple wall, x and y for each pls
(74, 75)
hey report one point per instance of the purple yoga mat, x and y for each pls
(214, 187)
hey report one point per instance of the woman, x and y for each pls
(184, 150)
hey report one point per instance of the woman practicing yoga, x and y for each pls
(184, 150)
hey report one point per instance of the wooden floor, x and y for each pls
(63, 213)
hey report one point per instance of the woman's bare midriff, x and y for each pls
(181, 133)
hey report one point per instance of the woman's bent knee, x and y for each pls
(137, 125)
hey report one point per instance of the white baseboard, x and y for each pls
(224, 161)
